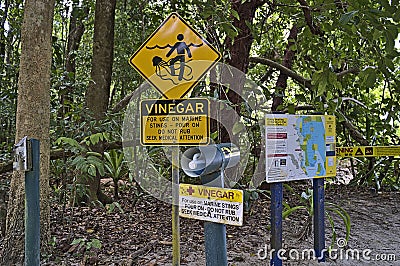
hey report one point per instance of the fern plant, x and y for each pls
(86, 162)
(114, 164)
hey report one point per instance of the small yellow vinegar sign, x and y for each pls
(218, 205)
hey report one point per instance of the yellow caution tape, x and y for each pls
(367, 151)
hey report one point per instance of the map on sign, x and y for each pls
(218, 205)
(175, 122)
(300, 147)
(174, 58)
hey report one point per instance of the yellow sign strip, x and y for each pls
(368, 151)
(330, 144)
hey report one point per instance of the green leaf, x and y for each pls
(92, 170)
(371, 79)
(119, 207)
(341, 213)
(92, 153)
(77, 241)
(110, 208)
(70, 142)
(321, 87)
(389, 63)
(237, 127)
(101, 170)
(235, 14)
(291, 109)
(332, 224)
(390, 36)
(293, 47)
(345, 18)
(286, 213)
(230, 30)
(95, 138)
(214, 135)
(377, 34)
(96, 243)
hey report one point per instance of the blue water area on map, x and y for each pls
(312, 140)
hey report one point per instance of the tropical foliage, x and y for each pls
(334, 56)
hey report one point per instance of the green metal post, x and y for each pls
(32, 208)
(215, 233)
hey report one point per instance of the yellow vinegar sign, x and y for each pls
(218, 205)
(174, 58)
(175, 122)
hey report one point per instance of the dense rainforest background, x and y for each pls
(65, 80)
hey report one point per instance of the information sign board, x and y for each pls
(218, 205)
(299, 147)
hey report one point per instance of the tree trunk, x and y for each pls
(32, 120)
(75, 33)
(2, 31)
(239, 51)
(98, 92)
(281, 83)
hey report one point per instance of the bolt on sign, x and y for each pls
(175, 122)
(368, 151)
(300, 147)
(174, 58)
(218, 205)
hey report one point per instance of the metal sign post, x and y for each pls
(209, 163)
(175, 207)
(276, 222)
(319, 218)
(215, 233)
(174, 59)
(27, 159)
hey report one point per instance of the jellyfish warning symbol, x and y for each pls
(174, 58)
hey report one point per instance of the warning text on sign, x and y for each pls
(175, 122)
(211, 204)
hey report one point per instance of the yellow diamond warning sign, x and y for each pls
(174, 58)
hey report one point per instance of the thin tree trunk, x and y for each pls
(281, 83)
(33, 120)
(98, 92)
(2, 30)
(239, 50)
(75, 32)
